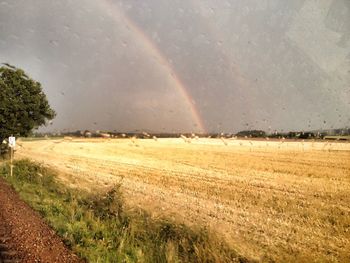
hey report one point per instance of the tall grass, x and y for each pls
(100, 229)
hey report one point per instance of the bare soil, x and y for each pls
(24, 236)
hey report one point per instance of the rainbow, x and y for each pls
(155, 52)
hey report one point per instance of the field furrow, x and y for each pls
(283, 200)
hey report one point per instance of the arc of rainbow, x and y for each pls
(154, 51)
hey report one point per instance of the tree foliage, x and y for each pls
(251, 133)
(23, 104)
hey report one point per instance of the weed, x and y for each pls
(100, 229)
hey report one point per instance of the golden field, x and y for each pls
(270, 200)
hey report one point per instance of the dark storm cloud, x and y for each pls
(246, 64)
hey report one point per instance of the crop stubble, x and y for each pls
(273, 199)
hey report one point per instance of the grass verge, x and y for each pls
(101, 229)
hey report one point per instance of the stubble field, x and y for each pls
(278, 200)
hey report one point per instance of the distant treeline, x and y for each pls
(321, 134)
(280, 135)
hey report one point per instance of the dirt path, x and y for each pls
(24, 236)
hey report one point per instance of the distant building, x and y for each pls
(105, 135)
(87, 134)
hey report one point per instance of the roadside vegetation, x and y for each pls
(101, 229)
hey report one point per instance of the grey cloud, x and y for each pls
(257, 63)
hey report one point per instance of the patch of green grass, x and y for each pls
(100, 229)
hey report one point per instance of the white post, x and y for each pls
(11, 166)
(12, 144)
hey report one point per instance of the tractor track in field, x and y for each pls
(24, 236)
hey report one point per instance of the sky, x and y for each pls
(184, 66)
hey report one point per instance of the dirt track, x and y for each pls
(286, 200)
(24, 236)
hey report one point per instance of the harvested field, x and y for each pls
(278, 200)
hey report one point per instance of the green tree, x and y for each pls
(23, 104)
